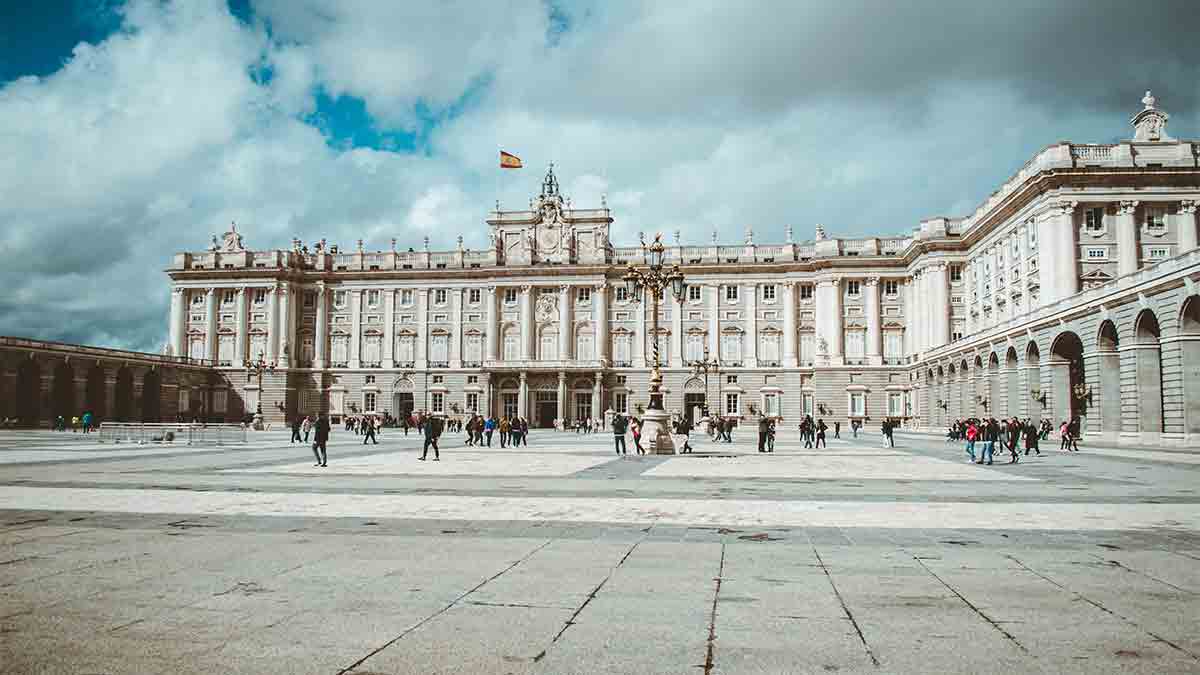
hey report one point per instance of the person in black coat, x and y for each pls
(821, 427)
(369, 431)
(619, 424)
(296, 422)
(320, 440)
(432, 428)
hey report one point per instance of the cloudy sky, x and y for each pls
(133, 129)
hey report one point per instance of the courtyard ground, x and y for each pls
(560, 557)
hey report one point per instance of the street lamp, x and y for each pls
(706, 366)
(654, 280)
(255, 369)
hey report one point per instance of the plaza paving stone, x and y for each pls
(561, 557)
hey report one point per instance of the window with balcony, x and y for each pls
(228, 297)
(769, 351)
(893, 345)
(855, 345)
(694, 347)
(807, 348)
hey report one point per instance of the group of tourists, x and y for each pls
(480, 430)
(85, 423)
(1010, 434)
(583, 426)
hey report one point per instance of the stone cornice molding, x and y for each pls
(1188, 206)
(1127, 207)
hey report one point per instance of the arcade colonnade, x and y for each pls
(40, 381)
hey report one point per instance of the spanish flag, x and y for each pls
(508, 161)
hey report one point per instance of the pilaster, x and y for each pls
(565, 323)
(239, 348)
(422, 355)
(1187, 225)
(456, 331)
(210, 324)
(493, 325)
(527, 328)
(790, 359)
(388, 348)
(874, 346)
(1128, 255)
(356, 328)
(751, 291)
(321, 331)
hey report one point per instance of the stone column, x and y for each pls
(939, 297)
(602, 338)
(178, 318)
(751, 291)
(597, 392)
(355, 329)
(714, 321)
(493, 326)
(239, 348)
(829, 319)
(676, 359)
(210, 324)
(790, 358)
(285, 325)
(527, 325)
(523, 396)
(874, 346)
(1186, 225)
(422, 328)
(295, 309)
(321, 332)
(1066, 250)
(456, 308)
(272, 324)
(565, 323)
(561, 410)
(1128, 255)
(388, 355)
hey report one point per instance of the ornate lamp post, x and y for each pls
(256, 369)
(706, 366)
(654, 280)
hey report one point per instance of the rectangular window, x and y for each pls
(1093, 219)
(437, 379)
(439, 296)
(339, 298)
(955, 273)
(437, 402)
(472, 379)
(731, 293)
(510, 296)
(694, 348)
(1097, 253)
(771, 405)
(807, 403)
(472, 401)
(732, 404)
(583, 294)
(372, 298)
(855, 343)
(621, 379)
(1032, 230)
(1160, 253)
(228, 297)
(956, 299)
(260, 296)
(370, 379)
(895, 404)
(892, 345)
(891, 287)
(406, 297)
(858, 404)
(220, 400)
(621, 402)
(369, 401)
(731, 379)
(694, 293)
(852, 287)
(806, 291)
(768, 292)
(1156, 218)
(197, 298)
(622, 294)
(473, 296)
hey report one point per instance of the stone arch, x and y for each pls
(1189, 346)
(1107, 395)
(1012, 383)
(1147, 352)
(996, 404)
(123, 395)
(152, 396)
(1067, 377)
(95, 393)
(29, 393)
(62, 392)
(1033, 358)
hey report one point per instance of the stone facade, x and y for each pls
(924, 327)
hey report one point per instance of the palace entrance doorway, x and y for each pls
(402, 404)
(692, 404)
(545, 409)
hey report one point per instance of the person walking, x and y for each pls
(972, 435)
(991, 434)
(1013, 431)
(369, 431)
(296, 430)
(505, 430)
(763, 427)
(684, 428)
(306, 426)
(771, 435)
(837, 429)
(1064, 434)
(821, 427)
(524, 432)
(489, 427)
(635, 427)
(1073, 430)
(1031, 438)
(321, 438)
(618, 427)
(889, 428)
(431, 430)
(87, 422)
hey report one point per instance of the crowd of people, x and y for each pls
(1012, 434)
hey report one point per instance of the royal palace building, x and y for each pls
(1070, 291)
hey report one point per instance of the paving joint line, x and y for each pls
(846, 608)
(443, 610)
(1119, 565)
(994, 624)
(712, 618)
(1102, 608)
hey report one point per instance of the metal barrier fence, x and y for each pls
(183, 434)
